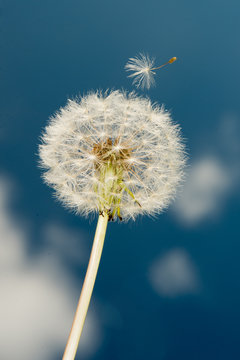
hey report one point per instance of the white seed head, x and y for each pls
(141, 66)
(114, 153)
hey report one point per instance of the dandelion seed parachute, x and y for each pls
(143, 76)
(113, 152)
(143, 70)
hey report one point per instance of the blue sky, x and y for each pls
(167, 288)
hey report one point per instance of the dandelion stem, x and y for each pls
(159, 67)
(169, 62)
(84, 300)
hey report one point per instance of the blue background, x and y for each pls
(53, 50)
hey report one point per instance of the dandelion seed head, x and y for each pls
(113, 152)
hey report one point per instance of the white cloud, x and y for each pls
(67, 243)
(174, 274)
(38, 298)
(214, 176)
(207, 183)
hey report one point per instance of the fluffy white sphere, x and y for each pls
(113, 152)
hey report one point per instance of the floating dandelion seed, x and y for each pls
(114, 154)
(143, 68)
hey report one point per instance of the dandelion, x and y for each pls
(114, 154)
(143, 67)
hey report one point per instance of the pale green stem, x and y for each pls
(82, 307)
